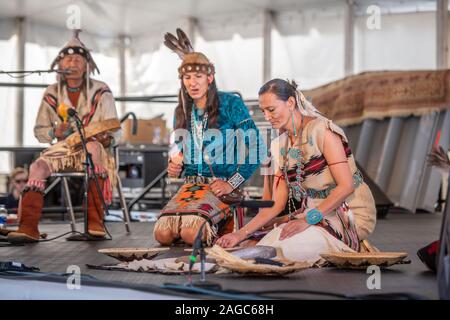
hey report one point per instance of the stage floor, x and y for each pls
(398, 232)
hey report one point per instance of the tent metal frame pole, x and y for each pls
(192, 27)
(349, 38)
(442, 34)
(267, 44)
(388, 152)
(123, 71)
(363, 147)
(20, 96)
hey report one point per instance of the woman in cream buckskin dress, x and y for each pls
(317, 189)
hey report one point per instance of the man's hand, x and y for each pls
(105, 139)
(60, 130)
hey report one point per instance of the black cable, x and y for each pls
(81, 233)
(389, 296)
(18, 77)
(229, 294)
(260, 294)
(24, 73)
(44, 240)
(380, 296)
(312, 292)
(62, 235)
(216, 293)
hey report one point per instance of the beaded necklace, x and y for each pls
(73, 90)
(296, 190)
(198, 128)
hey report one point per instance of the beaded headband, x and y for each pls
(195, 67)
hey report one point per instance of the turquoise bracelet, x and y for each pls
(314, 216)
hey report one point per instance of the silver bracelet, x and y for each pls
(236, 180)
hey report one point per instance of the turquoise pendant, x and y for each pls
(294, 153)
(297, 193)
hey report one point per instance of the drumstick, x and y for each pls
(209, 165)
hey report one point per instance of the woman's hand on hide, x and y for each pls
(230, 240)
(293, 227)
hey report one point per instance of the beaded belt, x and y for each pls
(201, 179)
(322, 194)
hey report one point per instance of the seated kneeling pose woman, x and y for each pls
(317, 187)
(206, 116)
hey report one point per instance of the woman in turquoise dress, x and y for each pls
(218, 148)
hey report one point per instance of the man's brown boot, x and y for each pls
(31, 208)
(96, 211)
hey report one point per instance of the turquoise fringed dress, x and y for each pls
(233, 145)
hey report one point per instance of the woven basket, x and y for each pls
(130, 254)
(365, 259)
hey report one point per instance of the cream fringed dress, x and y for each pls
(340, 230)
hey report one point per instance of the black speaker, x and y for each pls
(382, 202)
(139, 166)
(23, 157)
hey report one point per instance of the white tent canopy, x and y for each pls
(307, 44)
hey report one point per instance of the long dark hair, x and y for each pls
(279, 87)
(212, 106)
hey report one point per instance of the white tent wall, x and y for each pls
(393, 151)
(308, 47)
(152, 73)
(404, 42)
(237, 61)
(314, 56)
(8, 101)
(7, 29)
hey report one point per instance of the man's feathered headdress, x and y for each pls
(75, 46)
